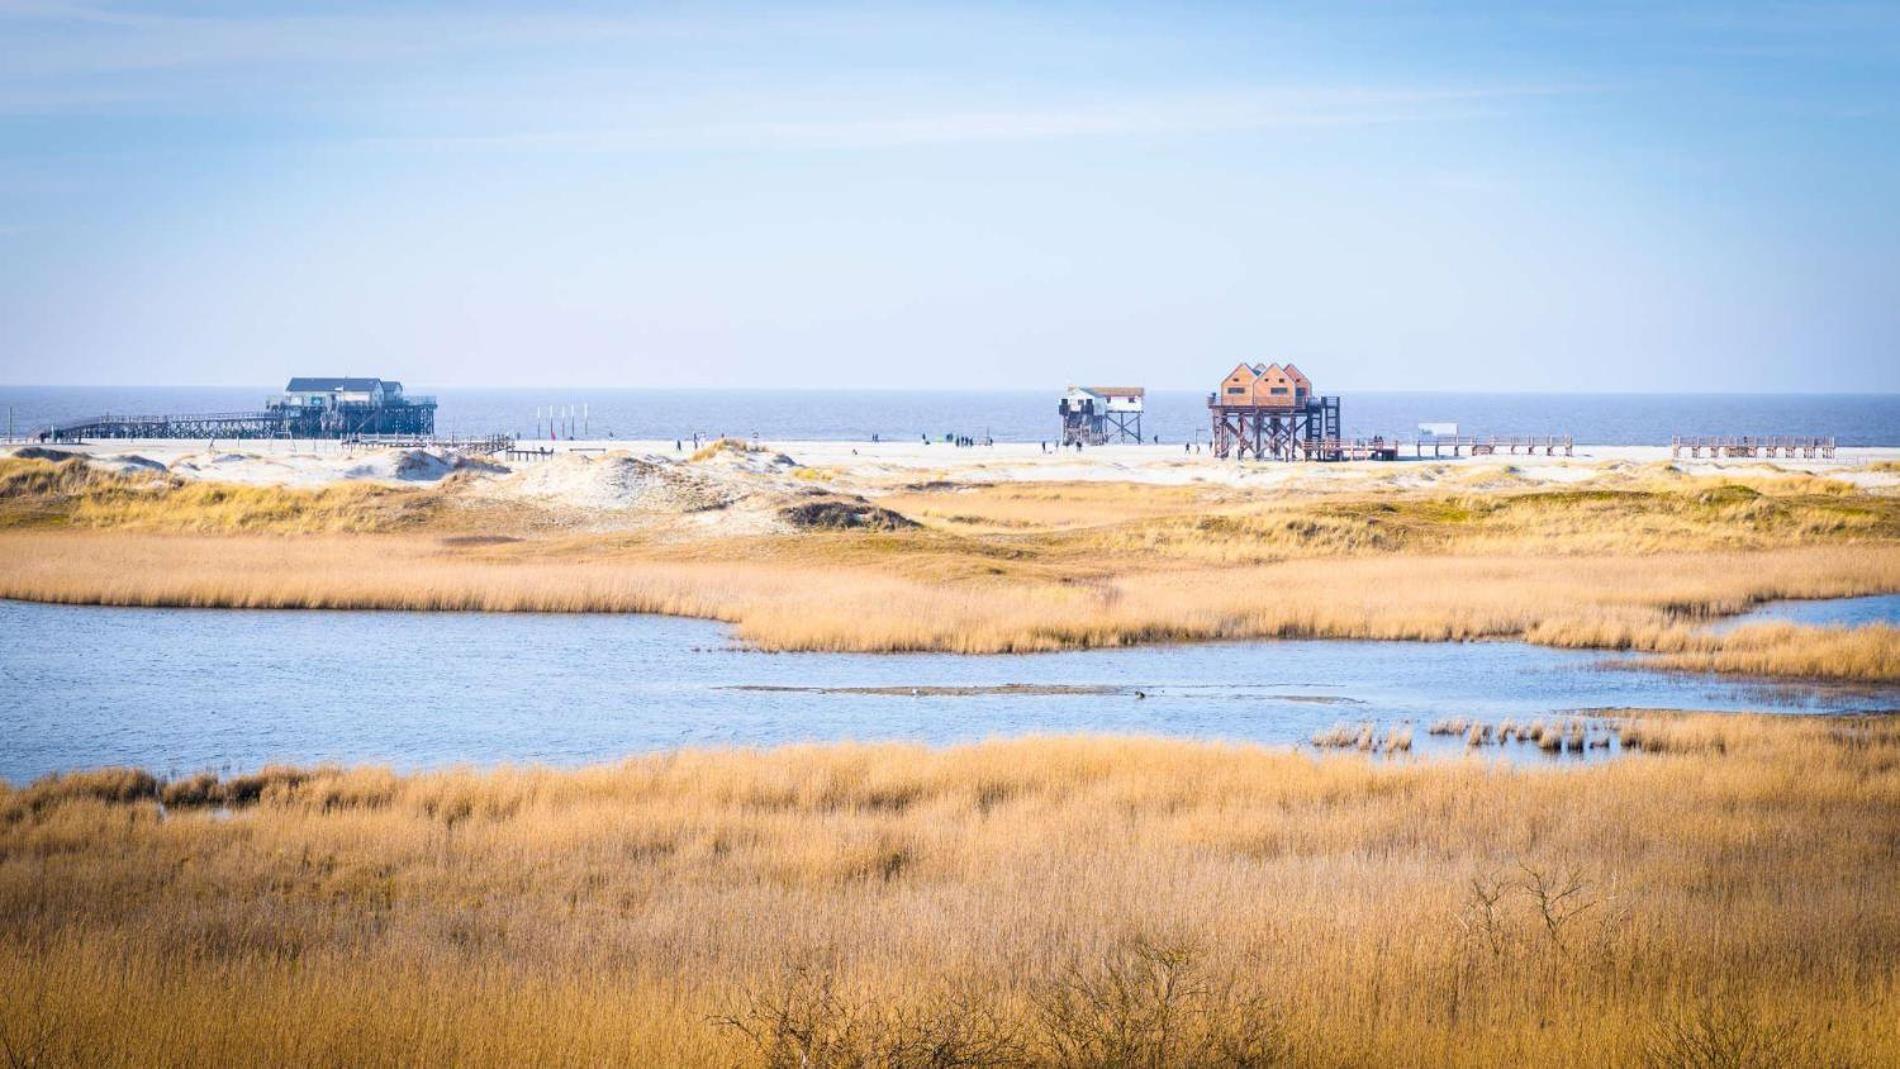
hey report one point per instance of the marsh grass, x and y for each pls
(1042, 902)
(1638, 564)
(1868, 652)
(926, 601)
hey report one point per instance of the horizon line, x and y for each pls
(768, 388)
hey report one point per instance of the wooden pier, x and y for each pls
(1376, 448)
(1789, 446)
(207, 425)
(411, 416)
(1530, 445)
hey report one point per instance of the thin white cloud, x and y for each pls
(85, 40)
(1170, 115)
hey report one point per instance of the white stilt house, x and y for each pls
(1098, 415)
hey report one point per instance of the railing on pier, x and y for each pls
(1547, 444)
(414, 423)
(202, 425)
(1342, 449)
(1753, 446)
(488, 444)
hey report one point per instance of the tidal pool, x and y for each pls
(181, 690)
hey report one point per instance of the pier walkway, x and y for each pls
(1753, 446)
(1547, 444)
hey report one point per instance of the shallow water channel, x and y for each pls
(179, 690)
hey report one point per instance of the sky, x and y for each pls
(1605, 197)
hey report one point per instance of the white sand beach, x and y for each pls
(871, 468)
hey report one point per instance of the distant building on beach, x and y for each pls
(327, 407)
(1269, 411)
(329, 392)
(1266, 386)
(1097, 415)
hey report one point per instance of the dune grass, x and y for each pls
(725, 445)
(1042, 902)
(66, 493)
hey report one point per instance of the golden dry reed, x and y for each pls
(1635, 560)
(1725, 894)
(1655, 603)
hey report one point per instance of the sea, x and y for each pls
(1017, 415)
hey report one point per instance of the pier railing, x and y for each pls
(1529, 444)
(1343, 449)
(1753, 446)
(252, 424)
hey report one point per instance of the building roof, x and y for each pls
(1116, 391)
(313, 385)
(1291, 372)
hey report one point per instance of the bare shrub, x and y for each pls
(1723, 1034)
(1559, 900)
(804, 1021)
(1149, 1004)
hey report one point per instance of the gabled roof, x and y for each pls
(1116, 391)
(1251, 369)
(312, 385)
(1292, 373)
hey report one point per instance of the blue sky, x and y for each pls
(1396, 196)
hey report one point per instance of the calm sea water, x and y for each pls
(1028, 416)
(178, 690)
